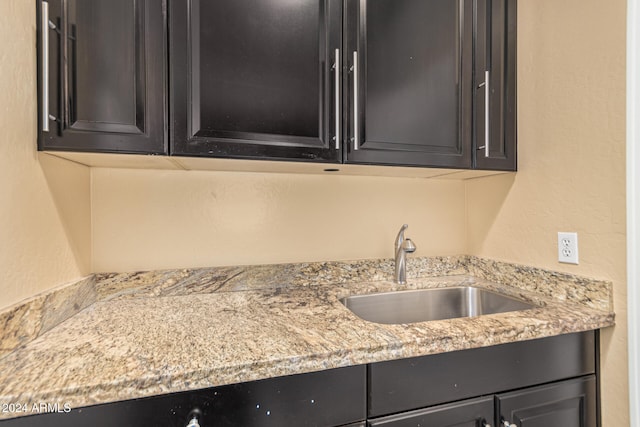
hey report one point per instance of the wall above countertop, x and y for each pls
(160, 219)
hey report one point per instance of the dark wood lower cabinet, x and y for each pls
(569, 403)
(545, 382)
(419, 382)
(335, 397)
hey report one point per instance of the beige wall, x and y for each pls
(159, 219)
(571, 130)
(35, 250)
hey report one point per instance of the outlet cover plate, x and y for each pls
(568, 247)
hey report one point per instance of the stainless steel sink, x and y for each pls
(430, 304)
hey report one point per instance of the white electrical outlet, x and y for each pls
(568, 247)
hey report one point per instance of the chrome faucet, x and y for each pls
(403, 247)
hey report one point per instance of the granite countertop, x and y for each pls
(145, 334)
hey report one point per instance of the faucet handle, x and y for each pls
(408, 246)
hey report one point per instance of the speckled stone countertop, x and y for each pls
(152, 333)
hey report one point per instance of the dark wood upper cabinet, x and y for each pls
(495, 75)
(105, 62)
(428, 83)
(255, 79)
(410, 82)
(399, 82)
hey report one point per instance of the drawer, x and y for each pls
(468, 413)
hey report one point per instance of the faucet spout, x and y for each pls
(402, 248)
(400, 237)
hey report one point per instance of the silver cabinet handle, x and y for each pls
(44, 27)
(486, 114)
(337, 84)
(356, 106)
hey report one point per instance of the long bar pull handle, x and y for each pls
(356, 106)
(44, 26)
(486, 113)
(337, 96)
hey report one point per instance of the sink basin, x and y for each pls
(430, 304)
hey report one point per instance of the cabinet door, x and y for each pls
(495, 83)
(469, 413)
(569, 403)
(409, 82)
(255, 78)
(102, 75)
